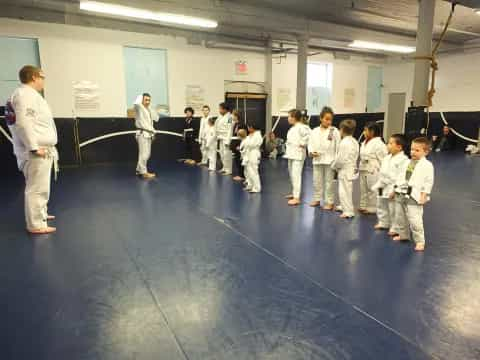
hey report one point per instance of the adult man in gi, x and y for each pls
(144, 118)
(34, 137)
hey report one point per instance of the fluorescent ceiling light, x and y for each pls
(382, 47)
(131, 12)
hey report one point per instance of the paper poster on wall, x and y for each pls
(284, 99)
(241, 67)
(349, 98)
(86, 96)
(195, 97)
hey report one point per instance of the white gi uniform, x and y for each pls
(297, 141)
(251, 160)
(408, 212)
(144, 118)
(33, 128)
(210, 141)
(345, 164)
(202, 138)
(324, 142)
(371, 156)
(390, 171)
(224, 125)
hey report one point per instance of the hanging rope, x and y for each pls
(433, 57)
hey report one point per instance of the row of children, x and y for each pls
(391, 185)
(238, 146)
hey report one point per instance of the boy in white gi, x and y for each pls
(322, 147)
(210, 140)
(144, 118)
(413, 192)
(224, 126)
(204, 125)
(297, 141)
(372, 152)
(251, 157)
(345, 164)
(392, 167)
(34, 137)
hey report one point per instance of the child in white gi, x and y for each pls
(322, 147)
(204, 124)
(392, 167)
(252, 155)
(210, 140)
(345, 164)
(413, 192)
(224, 125)
(372, 152)
(297, 141)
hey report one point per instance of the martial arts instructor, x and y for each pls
(34, 136)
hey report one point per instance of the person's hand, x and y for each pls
(238, 147)
(434, 137)
(423, 199)
(41, 152)
(391, 196)
(314, 154)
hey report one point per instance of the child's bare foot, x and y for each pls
(315, 203)
(293, 202)
(420, 247)
(289, 196)
(392, 233)
(50, 217)
(238, 178)
(398, 238)
(345, 216)
(380, 227)
(361, 210)
(328, 207)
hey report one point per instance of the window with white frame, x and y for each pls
(319, 86)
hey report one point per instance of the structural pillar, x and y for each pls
(302, 60)
(421, 78)
(268, 85)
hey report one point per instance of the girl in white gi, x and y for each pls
(345, 164)
(392, 166)
(413, 192)
(242, 134)
(252, 156)
(322, 147)
(144, 118)
(372, 152)
(297, 141)
(34, 137)
(210, 137)
(224, 126)
(201, 134)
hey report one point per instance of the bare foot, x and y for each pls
(398, 238)
(420, 247)
(361, 210)
(238, 178)
(50, 217)
(289, 196)
(392, 233)
(328, 207)
(293, 202)
(315, 203)
(380, 227)
(148, 175)
(46, 230)
(345, 216)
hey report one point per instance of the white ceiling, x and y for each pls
(252, 21)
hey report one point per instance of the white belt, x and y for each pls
(52, 153)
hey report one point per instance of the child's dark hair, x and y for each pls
(373, 128)
(296, 114)
(252, 125)
(211, 121)
(423, 141)
(206, 107)
(400, 140)
(224, 106)
(146, 95)
(325, 111)
(189, 109)
(348, 126)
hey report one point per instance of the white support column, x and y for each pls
(268, 85)
(426, 14)
(302, 60)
